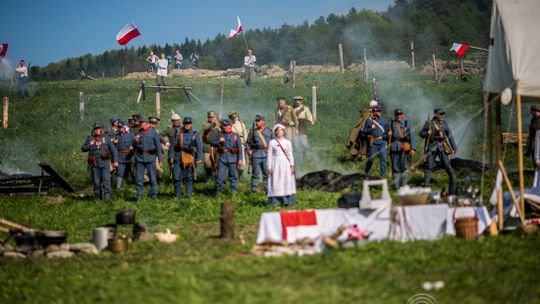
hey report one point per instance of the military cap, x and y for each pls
(398, 111)
(143, 118)
(259, 117)
(187, 120)
(114, 118)
(233, 114)
(299, 98)
(377, 109)
(175, 117)
(226, 122)
(97, 125)
(439, 111)
(130, 119)
(211, 113)
(535, 108)
(136, 116)
(153, 119)
(280, 98)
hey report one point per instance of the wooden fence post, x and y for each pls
(434, 64)
(227, 220)
(158, 104)
(81, 106)
(412, 55)
(314, 103)
(341, 64)
(366, 72)
(6, 110)
(294, 73)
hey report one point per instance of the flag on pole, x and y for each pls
(460, 49)
(233, 33)
(3, 50)
(129, 32)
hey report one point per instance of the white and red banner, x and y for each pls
(233, 33)
(459, 48)
(129, 32)
(3, 50)
(299, 223)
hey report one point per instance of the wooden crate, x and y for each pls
(512, 138)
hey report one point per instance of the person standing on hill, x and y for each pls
(285, 116)
(22, 78)
(376, 130)
(152, 62)
(162, 65)
(402, 147)
(178, 59)
(249, 67)
(304, 118)
(101, 151)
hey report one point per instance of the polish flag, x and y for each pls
(129, 32)
(233, 33)
(459, 48)
(3, 50)
(299, 224)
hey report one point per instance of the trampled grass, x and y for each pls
(203, 268)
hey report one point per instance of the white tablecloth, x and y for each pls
(424, 222)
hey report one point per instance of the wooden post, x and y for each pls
(81, 106)
(6, 111)
(314, 103)
(366, 72)
(461, 68)
(520, 150)
(489, 122)
(341, 64)
(294, 73)
(221, 100)
(227, 220)
(434, 64)
(520, 211)
(500, 208)
(498, 131)
(158, 104)
(374, 88)
(412, 55)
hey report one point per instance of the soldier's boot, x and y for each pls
(107, 197)
(240, 174)
(209, 173)
(119, 182)
(427, 177)
(395, 180)
(404, 178)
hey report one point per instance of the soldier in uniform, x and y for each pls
(229, 147)
(533, 144)
(186, 143)
(376, 130)
(153, 122)
(209, 131)
(303, 114)
(402, 147)
(136, 124)
(284, 115)
(147, 149)
(257, 144)
(125, 140)
(101, 151)
(239, 128)
(358, 144)
(440, 144)
(167, 136)
(114, 130)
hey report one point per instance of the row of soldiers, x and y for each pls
(222, 146)
(378, 135)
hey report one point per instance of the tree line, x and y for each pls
(432, 24)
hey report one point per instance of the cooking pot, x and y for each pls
(50, 237)
(118, 245)
(23, 238)
(125, 217)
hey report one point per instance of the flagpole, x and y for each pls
(478, 48)
(245, 41)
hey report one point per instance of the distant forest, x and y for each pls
(432, 24)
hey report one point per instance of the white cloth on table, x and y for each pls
(162, 67)
(282, 182)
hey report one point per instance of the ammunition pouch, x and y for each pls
(225, 150)
(258, 147)
(142, 151)
(447, 148)
(125, 152)
(406, 146)
(105, 156)
(186, 159)
(92, 160)
(205, 138)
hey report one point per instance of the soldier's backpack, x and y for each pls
(358, 144)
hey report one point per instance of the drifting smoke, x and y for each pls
(19, 156)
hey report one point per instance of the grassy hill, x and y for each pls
(203, 268)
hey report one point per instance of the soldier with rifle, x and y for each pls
(376, 130)
(148, 148)
(239, 128)
(402, 147)
(229, 147)
(125, 141)
(101, 151)
(167, 136)
(259, 137)
(185, 152)
(358, 143)
(441, 144)
(209, 131)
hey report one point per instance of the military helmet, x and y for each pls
(377, 109)
(233, 114)
(153, 119)
(97, 125)
(114, 118)
(439, 111)
(143, 118)
(211, 114)
(398, 111)
(175, 117)
(227, 122)
(259, 117)
(187, 120)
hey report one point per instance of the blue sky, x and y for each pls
(47, 31)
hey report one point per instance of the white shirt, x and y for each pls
(250, 60)
(23, 71)
(178, 57)
(162, 67)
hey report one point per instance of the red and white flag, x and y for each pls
(233, 33)
(129, 32)
(299, 224)
(3, 50)
(459, 48)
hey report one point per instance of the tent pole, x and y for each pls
(489, 136)
(520, 149)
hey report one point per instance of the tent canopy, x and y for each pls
(514, 51)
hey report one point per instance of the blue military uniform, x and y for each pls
(101, 151)
(257, 144)
(376, 130)
(402, 142)
(189, 143)
(147, 149)
(126, 142)
(441, 143)
(229, 154)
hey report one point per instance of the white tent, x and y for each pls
(514, 51)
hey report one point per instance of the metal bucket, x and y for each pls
(101, 237)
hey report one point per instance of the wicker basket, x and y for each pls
(466, 227)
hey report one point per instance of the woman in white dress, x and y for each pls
(280, 164)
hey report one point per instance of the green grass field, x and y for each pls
(200, 267)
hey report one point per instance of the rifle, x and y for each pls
(426, 141)
(251, 142)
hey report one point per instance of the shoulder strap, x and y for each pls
(265, 145)
(279, 145)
